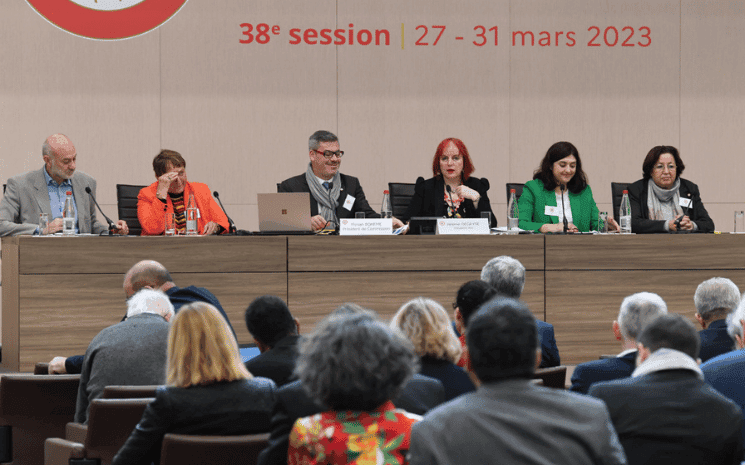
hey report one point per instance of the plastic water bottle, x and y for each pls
(68, 215)
(625, 214)
(191, 217)
(513, 216)
(385, 210)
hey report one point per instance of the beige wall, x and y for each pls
(241, 114)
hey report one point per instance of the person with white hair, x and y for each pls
(636, 311)
(715, 299)
(726, 372)
(131, 352)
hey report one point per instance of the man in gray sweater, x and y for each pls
(131, 352)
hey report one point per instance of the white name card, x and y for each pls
(366, 227)
(463, 226)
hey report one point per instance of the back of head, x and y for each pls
(427, 325)
(351, 308)
(201, 348)
(715, 298)
(506, 275)
(470, 297)
(502, 340)
(149, 301)
(637, 310)
(146, 273)
(671, 331)
(268, 320)
(321, 136)
(354, 362)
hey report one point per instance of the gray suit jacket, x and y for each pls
(26, 196)
(516, 422)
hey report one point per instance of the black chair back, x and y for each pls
(518, 186)
(617, 189)
(401, 194)
(126, 201)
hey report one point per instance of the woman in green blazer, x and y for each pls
(560, 174)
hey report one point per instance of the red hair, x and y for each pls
(467, 165)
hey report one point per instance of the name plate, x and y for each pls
(463, 226)
(366, 227)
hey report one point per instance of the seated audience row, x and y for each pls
(558, 198)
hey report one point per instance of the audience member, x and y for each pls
(208, 391)
(418, 395)
(132, 352)
(509, 419)
(507, 276)
(426, 324)
(715, 298)
(44, 191)
(332, 195)
(726, 372)
(666, 413)
(276, 334)
(151, 275)
(636, 311)
(469, 298)
(354, 365)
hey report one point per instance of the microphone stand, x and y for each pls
(563, 210)
(112, 226)
(331, 200)
(231, 224)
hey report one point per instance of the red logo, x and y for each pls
(107, 19)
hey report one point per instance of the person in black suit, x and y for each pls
(636, 311)
(507, 276)
(332, 195)
(276, 333)
(208, 390)
(662, 201)
(715, 299)
(452, 192)
(666, 413)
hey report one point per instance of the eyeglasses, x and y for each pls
(329, 153)
(662, 167)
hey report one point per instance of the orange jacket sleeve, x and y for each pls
(151, 211)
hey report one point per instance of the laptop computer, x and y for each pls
(284, 213)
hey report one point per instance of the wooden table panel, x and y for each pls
(393, 253)
(583, 304)
(86, 254)
(645, 252)
(312, 296)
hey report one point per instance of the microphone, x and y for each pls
(231, 224)
(563, 211)
(331, 200)
(112, 226)
(450, 194)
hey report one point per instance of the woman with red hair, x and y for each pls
(452, 192)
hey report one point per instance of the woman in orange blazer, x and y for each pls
(170, 194)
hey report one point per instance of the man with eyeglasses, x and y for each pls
(333, 195)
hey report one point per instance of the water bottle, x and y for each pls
(191, 217)
(68, 215)
(625, 214)
(513, 216)
(385, 210)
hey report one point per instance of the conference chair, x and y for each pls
(33, 408)
(518, 186)
(182, 449)
(401, 194)
(617, 189)
(553, 377)
(110, 422)
(126, 202)
(128, 392)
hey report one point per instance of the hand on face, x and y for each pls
(172, 181)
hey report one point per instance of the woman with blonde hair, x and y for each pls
(208, 389)
(427, 325)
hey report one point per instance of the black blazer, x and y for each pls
(349, 186)
(715, 340)
(673, 417)
(588, 373)
(428, 199)
(276, 363)
(229, 408)
(419, 395)
(640, 222)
